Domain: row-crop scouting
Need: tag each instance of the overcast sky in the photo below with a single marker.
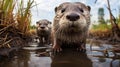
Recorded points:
(45, 8)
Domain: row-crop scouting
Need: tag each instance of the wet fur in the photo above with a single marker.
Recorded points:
(44, 34)
(63, 33)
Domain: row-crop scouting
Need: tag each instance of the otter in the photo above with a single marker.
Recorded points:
(43, 28)
(70, 25)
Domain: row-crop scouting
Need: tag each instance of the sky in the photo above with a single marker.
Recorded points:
(45, 8)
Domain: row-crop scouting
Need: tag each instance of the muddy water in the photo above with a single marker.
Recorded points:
(98, 55)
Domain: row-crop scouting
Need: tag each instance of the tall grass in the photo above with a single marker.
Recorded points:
(22, 15)
(6, 12)
(101, 27)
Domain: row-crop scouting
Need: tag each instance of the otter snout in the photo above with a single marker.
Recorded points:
(73, 17)
(42, 26)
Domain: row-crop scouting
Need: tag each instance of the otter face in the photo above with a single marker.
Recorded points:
(73, 16)
(43, 25)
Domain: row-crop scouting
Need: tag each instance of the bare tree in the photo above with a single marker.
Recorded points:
(115, 29)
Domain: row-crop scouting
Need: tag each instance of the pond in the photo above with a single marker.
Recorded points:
(98, 55)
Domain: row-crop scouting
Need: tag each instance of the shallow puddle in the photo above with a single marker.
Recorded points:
(41, 56)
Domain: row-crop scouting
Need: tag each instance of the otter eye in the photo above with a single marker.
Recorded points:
(63, 10)
(39, 24)
(81, 10)
(46, 24)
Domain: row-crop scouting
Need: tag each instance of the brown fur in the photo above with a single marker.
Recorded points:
(71, 30)
(43, 31)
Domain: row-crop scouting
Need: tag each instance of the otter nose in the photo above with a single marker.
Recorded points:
(73, 17)
(42, 27)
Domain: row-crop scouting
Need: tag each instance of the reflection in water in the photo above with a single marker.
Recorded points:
(40, 56)
(71, 59)
(115, 63)
(18, 61)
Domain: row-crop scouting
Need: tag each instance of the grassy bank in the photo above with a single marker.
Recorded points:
(15, 19)
(101, 31)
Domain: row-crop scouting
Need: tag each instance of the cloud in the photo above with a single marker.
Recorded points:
(45, 8)
(103, 3)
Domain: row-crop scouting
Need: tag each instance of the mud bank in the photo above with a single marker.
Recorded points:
(11, 39)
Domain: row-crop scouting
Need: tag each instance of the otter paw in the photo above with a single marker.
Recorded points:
(57, 48)
(81, 50)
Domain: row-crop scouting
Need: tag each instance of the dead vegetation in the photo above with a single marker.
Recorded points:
(100, 34)
(107, 32)
(14, 23)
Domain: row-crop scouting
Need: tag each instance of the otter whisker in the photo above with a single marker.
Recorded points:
(70, 26)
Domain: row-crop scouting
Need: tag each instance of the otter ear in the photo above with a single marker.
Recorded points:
(56, 9)
(89, 8)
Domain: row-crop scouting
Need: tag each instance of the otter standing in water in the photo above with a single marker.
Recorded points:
(44, 31)
(70, 26)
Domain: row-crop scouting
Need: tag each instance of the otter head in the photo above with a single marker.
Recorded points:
(72, 16)
(43, 25)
